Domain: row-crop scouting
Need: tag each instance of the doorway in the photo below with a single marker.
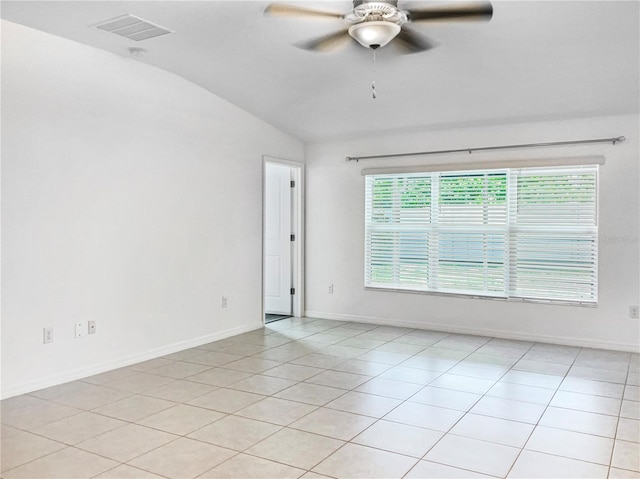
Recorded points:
(282, 239)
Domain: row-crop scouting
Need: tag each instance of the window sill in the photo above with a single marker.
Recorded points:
(556, 302)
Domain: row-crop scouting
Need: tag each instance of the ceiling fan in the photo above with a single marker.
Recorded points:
(373, 24)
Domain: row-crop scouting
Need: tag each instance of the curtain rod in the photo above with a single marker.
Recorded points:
(613, 141)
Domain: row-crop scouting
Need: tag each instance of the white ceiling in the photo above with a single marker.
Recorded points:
(534, 61)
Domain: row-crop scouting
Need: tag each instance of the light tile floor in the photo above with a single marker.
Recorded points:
(316, 398)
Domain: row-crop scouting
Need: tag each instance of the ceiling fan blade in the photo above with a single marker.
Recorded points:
(327, 42)
(475, 11)
(412, 42)
(291, 10)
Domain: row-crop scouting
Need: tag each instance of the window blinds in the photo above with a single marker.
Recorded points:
(554, 244)
(528, 233)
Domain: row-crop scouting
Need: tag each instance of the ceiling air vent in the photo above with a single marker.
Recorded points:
(131, 27)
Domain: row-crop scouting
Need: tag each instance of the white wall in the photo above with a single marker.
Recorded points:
(335, 235)
(130, 197)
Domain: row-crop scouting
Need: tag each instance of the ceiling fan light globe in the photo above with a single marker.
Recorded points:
(374, 34)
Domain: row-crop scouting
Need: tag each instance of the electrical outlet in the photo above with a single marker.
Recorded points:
(633, 312)
(330, 289)
(91, 327)
(80, 329)
(224, 302)
(47, 335)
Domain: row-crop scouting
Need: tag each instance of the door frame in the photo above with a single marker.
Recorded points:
(297, 228)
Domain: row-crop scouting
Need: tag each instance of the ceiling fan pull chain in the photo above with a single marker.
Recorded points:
(373, 83)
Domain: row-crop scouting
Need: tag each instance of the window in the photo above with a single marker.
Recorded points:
(528, 233)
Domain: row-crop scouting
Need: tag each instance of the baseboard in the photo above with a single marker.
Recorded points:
(81, 373)
(497, 333)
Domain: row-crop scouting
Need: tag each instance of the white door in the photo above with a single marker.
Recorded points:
(277, 278)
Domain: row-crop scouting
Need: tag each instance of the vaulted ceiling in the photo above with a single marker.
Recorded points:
(535, 60)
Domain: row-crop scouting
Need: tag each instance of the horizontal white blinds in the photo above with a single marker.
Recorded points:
(398, 215)
(554, 240)
(522, 233)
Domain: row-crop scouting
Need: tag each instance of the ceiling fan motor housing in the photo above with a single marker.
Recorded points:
(393, 3)
(376, 10)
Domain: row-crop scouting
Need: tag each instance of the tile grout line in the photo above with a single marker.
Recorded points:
(541, 416)
(465, 412)
(615, 434)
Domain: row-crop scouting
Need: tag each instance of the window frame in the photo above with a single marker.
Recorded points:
(508, 230)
